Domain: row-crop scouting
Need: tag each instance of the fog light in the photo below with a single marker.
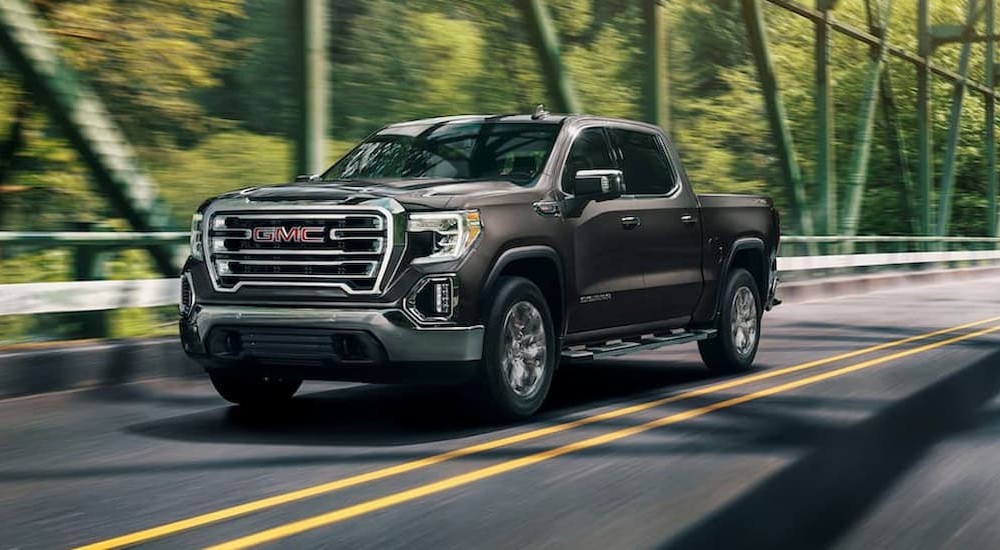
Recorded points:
(442, 298)
(433, 299)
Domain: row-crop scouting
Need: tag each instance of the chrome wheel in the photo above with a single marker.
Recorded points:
(524, 349)
(744, 321)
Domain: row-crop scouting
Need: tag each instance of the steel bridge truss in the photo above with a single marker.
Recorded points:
(832, 220)
(829, 216)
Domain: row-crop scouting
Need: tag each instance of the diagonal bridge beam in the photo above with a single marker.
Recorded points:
(85, 122)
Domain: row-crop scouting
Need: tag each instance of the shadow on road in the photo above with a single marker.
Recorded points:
(369, 415)
(811, 503)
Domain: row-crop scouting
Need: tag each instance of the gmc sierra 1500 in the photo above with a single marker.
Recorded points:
(480, 250)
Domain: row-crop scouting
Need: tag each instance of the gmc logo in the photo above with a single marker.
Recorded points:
(298, 234)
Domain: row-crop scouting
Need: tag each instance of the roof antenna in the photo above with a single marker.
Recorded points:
(539, 113)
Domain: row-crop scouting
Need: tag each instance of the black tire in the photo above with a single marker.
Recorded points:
(254, 391)
(491, 393)
(722, 353)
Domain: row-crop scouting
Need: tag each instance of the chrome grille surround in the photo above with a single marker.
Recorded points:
(358, 242)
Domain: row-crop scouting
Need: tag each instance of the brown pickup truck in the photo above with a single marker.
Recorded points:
(475, 250)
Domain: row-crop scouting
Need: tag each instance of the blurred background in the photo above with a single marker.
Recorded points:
(124, 115)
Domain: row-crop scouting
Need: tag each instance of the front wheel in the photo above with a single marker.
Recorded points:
(520, 352)
(254, 391)
(735, 346)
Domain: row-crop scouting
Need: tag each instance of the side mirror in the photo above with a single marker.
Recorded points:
(306, 177)
(598, 185)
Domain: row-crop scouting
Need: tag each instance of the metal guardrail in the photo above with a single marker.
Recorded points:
(89, 297)
(843, 261)
(886, 239)
(100, 239)
(97, 295)
(79, 296)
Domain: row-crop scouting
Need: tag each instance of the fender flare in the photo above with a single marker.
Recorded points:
(528, 252)
(745, 243)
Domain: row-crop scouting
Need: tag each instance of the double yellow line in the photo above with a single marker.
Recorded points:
(518, 463)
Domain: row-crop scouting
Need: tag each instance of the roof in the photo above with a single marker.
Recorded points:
(551, 118)
(478, 118)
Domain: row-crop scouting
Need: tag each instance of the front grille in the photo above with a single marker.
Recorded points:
(343, 248)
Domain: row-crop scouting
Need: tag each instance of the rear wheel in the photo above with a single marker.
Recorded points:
(519, 353)
(735, 346)
(254, 391)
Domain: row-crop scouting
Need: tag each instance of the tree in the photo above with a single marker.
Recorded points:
(146, 58)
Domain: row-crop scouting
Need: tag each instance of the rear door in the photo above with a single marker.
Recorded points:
(608, 247)
(669, 216)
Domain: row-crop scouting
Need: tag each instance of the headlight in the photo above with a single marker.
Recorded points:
(196, 245)
(454, 233)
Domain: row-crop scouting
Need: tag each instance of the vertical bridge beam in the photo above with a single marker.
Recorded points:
(989, 127)
(657, 100)
(924, 121)
(896, 143)
(951, 148)
(546, 43)
(757, 40)
(309, 22)
(857, 180)
(826, 170)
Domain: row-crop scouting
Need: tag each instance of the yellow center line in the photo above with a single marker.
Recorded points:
(418, 464)
(335, 516)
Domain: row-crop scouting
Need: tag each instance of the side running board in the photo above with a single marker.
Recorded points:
(632, 345)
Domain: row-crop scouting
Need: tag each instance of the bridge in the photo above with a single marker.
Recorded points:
(869, 419)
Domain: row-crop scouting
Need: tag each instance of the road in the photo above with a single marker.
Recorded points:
(858, 409)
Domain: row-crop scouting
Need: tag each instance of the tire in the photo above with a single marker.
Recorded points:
(516, 371)
(735, 346)
(254, 391)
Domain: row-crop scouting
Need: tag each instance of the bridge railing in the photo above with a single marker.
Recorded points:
(838, 256)
(847, 256)
(84, 304)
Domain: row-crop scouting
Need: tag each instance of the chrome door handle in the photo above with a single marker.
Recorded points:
(688, 218)
(631, 222)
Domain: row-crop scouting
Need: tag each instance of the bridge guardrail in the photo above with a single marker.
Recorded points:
(876, 252)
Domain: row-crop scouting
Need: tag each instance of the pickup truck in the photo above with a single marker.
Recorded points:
(483, 251)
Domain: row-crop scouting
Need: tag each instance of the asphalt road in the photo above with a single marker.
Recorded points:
(869, 421)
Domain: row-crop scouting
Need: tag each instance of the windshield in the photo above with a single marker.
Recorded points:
(461, 150)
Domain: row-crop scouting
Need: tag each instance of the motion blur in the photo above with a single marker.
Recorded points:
(870, 124)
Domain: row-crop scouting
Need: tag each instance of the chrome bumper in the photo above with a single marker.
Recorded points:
(402, 340)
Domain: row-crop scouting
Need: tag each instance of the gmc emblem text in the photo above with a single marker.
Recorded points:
(299, 234)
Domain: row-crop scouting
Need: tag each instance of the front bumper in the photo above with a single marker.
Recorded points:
(386, 344)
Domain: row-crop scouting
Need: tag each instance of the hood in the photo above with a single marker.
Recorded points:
(420, 193)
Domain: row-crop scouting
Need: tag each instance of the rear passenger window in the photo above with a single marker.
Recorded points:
(646, 167)
(590, 151)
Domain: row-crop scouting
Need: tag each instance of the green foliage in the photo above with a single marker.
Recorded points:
(223, 162)
(210, 99)
(145, 57)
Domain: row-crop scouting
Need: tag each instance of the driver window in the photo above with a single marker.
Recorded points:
(590, 151)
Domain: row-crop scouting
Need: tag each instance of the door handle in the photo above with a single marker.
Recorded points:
(688, 218)
(631, 222)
